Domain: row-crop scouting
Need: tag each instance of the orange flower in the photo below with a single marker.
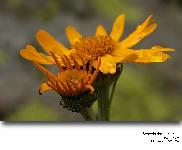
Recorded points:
(113, 51)
(70, 81)
(74, 84)
(107, 46)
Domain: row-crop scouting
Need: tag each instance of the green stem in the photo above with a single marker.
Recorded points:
(120, 68)
(103, 103)
(104, 96)
(88, 114)
(111, 97)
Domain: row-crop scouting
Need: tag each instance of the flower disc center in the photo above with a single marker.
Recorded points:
(95, 46)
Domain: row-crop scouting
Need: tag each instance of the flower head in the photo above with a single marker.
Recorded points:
(112, 50)
(107, 46)
(72, 83)
(70, 80)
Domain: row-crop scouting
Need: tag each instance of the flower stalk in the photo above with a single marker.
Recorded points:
(103, 104)
(88, 114)
(105, 97)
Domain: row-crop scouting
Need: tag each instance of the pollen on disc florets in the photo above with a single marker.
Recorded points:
(95, 47)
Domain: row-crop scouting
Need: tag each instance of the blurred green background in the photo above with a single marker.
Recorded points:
(144, 92)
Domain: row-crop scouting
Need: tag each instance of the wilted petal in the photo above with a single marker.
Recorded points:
(108, 64)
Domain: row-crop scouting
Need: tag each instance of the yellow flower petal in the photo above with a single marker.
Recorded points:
(72, 34)
(147, 27)
(163, 49)
(123, 55)
(44, 88)
(108, 64)
(100, 31)
(30, 53)
(48, 43)
(61, 53)
(155, 54)
(157, 57)
(117, 29)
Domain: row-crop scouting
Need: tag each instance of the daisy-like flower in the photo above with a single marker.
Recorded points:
(107, 46)
(74, 84)
(112, 50)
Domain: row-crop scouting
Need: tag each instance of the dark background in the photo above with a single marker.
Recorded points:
(144, 92)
